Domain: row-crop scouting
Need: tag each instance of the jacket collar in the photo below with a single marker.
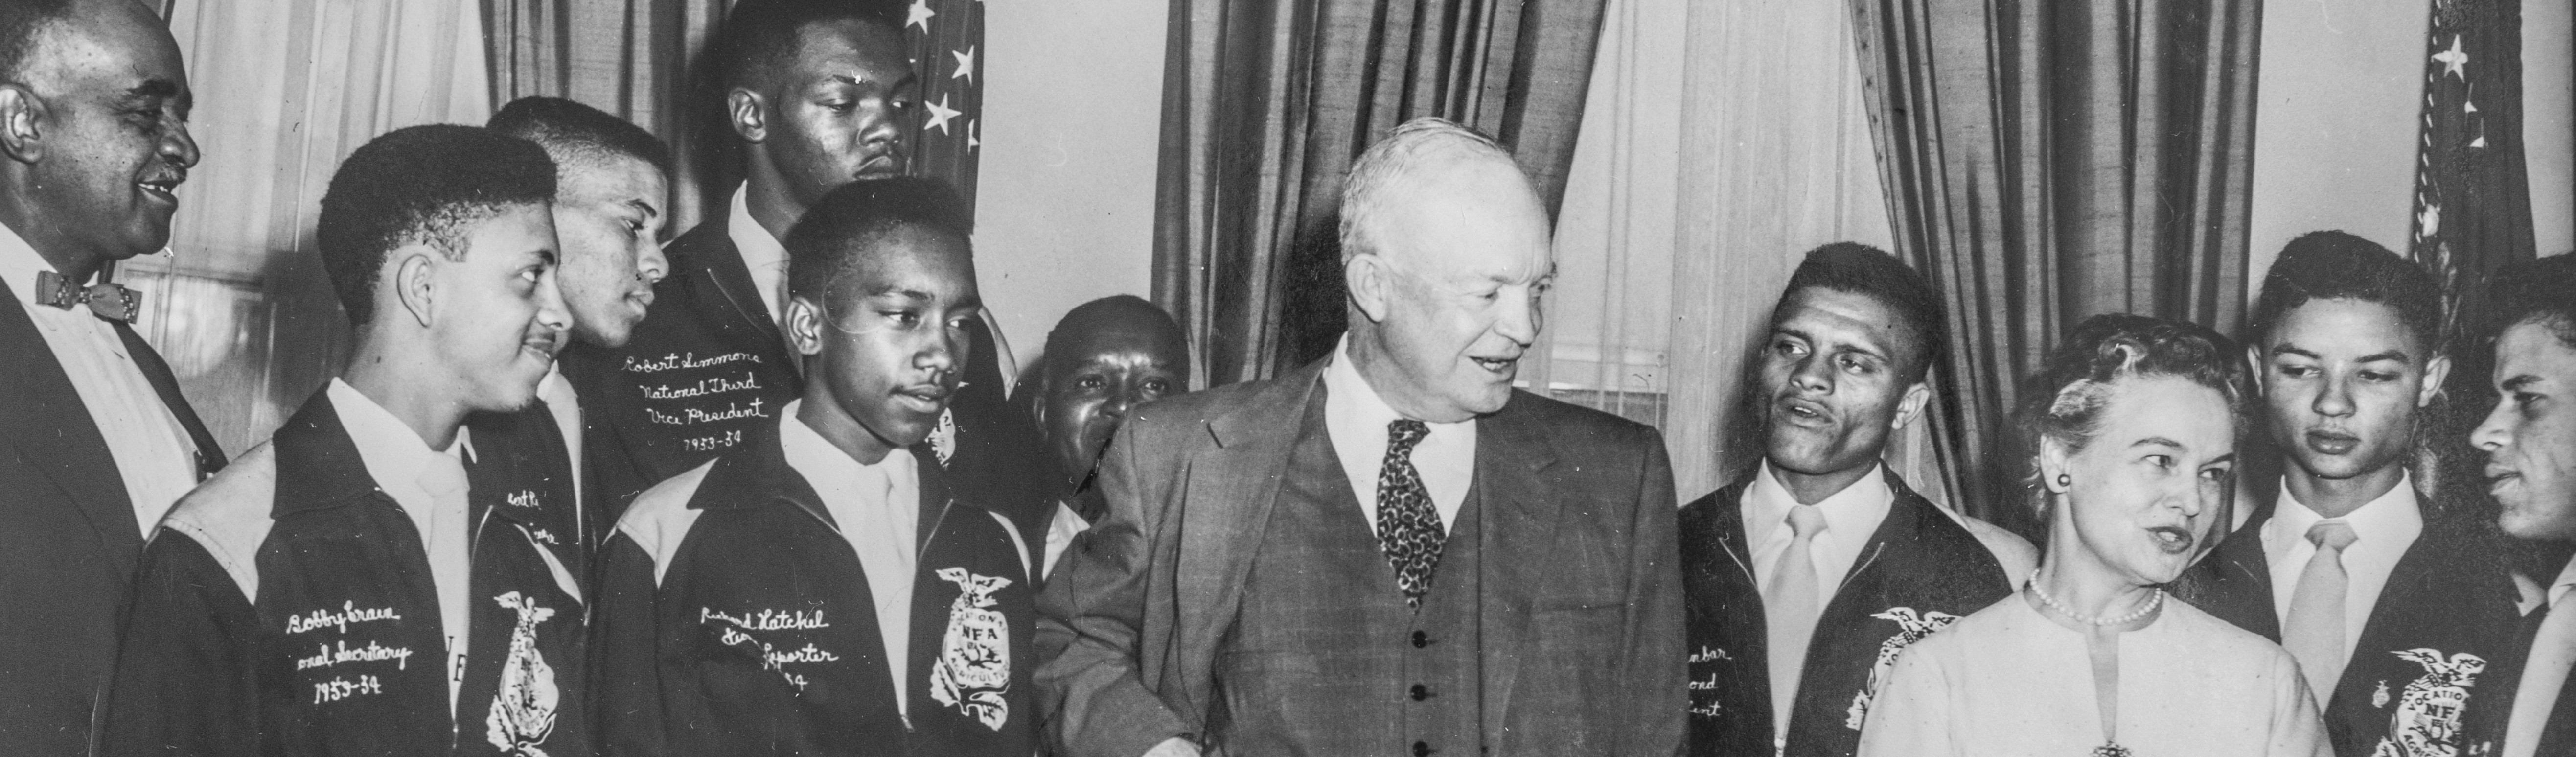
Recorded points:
(327, 469)
(759, 472)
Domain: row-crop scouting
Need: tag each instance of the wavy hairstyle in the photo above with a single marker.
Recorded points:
(2064, 399)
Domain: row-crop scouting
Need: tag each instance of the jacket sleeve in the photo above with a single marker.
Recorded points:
(625, 659)
(185, 681)
(1654, 658)
(1091, 614)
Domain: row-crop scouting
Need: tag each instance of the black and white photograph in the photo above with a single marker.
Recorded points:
(1288, 378)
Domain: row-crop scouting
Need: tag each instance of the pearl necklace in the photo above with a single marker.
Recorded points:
(2153, 603)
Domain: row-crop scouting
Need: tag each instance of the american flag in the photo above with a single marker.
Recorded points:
(2472, 200)
(947, 39)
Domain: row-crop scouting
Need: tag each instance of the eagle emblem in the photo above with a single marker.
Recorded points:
(523, 712)
(2427, 720)
(1911, 627)
(974, 669)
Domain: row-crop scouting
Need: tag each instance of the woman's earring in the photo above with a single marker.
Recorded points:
(2064, 481)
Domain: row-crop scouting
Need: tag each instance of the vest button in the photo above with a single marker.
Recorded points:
(1420, 692)
(1421, 640)
(1421, 749)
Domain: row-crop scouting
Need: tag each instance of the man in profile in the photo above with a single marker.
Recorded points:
(1105, 358)
(611, 192)
(1804, 579)
(95, 440)
(817, 94)
(1390, 551)
(2530, 442)
(2350, 568)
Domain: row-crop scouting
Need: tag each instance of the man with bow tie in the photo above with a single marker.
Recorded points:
(95, 440)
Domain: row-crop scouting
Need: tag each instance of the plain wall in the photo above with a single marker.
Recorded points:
(1064, 203)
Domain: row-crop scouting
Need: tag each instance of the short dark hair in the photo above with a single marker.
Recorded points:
(838, 227)
(420, 185)
(1059, 338)
(2333, 265)
(757, 34)
(571, 129)
(1871, 272)
(2541, 290)
(20, 23)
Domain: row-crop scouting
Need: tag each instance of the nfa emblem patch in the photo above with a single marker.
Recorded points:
(1911, 627)
(523, 711)
(974, 668)
(2427, 721)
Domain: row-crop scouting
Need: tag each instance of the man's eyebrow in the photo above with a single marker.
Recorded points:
(649, 210)
(2157, 441)
(151, 88)
(2289, 349)
(2517, 383)
(2397, 355)
(897, 290)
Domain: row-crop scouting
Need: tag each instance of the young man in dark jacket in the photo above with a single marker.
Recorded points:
(357, 586)
(823, 589)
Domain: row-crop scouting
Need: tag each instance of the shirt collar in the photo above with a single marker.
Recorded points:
(820, 462)
(1852, 513)
(2559, 587)
(1349, 396)
(757, 245)
(2392, 518)
(19, 264)
(394, 454)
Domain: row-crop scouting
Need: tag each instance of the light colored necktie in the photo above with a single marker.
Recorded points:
(1789, 607)
(2553, 653)
(450, 516)
(2315, 629)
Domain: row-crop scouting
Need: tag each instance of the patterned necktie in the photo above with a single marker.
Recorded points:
(1407, 526)
(2314, 632)
(1789, 611)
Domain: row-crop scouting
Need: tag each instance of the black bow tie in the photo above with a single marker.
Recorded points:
(110, 301)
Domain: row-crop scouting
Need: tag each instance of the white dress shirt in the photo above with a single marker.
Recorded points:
(877, 508)
(1356, 419)
(565, 406)
(153, 455)
(762, 254)
(1851, 517)
(2545, 671)
(2382, 530)
(396, 457)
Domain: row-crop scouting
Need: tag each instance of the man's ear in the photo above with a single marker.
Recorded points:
(2435, 371)
(413, 266)
(2254, 369)
(1371, 281)
(804, 326)
(1911, 407)
(747, 112)
(21, 111)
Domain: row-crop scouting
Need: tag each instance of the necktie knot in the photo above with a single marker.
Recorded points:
(442, 476)
(1805, 521)
(1403, 433)
(2331, 534)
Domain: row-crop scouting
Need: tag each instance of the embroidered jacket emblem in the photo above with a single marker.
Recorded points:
(1911, 627)
(523, 712)
(974, 668)
(2427, 721)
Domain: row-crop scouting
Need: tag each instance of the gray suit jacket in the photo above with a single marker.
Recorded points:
(1583, 612)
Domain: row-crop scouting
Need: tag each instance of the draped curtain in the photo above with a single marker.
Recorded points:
(2049, 161)
(284, 90)
(1266, 103)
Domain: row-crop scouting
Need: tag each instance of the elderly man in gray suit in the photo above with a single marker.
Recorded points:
(1389, 551)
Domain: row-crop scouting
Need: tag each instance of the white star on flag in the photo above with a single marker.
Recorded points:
(2454, 61)
(965, 65)
(940, 113)
(920, 15)
(2430, 219)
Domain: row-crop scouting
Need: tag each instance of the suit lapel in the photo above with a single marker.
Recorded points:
(54, 432)
(1519, 534)
(719, 264)
(1228, 493)
(210, 457)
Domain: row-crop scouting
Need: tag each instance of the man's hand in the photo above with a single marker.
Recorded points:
(1174, 747)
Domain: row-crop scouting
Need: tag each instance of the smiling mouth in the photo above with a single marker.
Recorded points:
(1502, 366)
(167, 189)
(2171, 539)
